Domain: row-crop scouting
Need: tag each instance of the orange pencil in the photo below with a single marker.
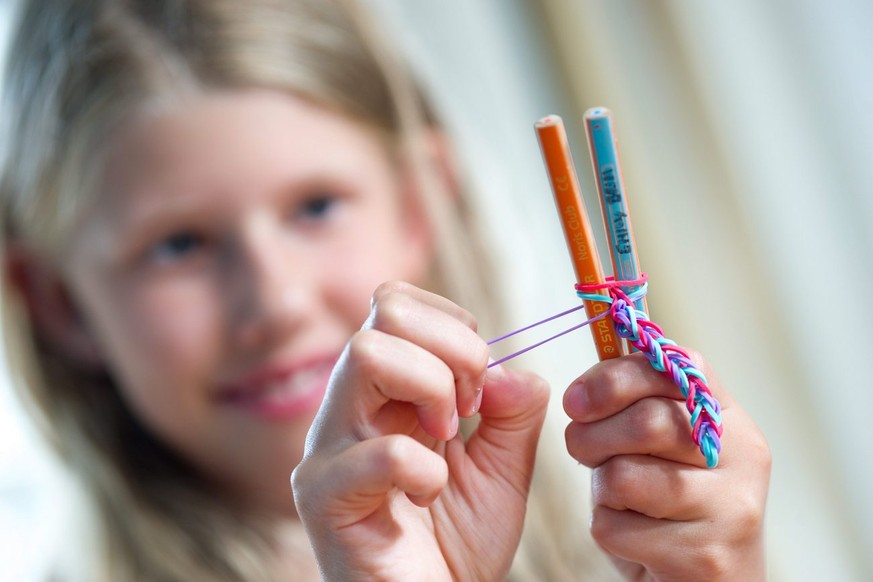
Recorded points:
(577, 228)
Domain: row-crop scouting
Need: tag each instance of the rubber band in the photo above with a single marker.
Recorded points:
(538, 344)
(664, 355)
(533, 325)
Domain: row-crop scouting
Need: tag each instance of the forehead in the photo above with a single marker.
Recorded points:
(238, 140)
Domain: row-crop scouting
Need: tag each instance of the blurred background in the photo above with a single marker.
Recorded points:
(746, 131)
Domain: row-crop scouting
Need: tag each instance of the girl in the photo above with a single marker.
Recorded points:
(199, 200)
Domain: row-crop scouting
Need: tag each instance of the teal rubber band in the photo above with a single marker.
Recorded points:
(716, 417)
(685, 385)
(634, 327)
(658, 361)
(695, 372)
(695, 413)
(709, 451)
(666, 342)
(594, 297)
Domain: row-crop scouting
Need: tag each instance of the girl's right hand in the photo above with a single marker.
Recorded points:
(387, 488)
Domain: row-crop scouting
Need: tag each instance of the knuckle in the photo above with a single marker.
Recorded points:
(748, 515)
(604, 381)
(615, 483)
(298, 481)
(602, 529)
(391, 311)
(467, 318)
(761, 452)
(389, 287)
(303, 492)
(649, 419)
(713, 562)
(364, 351)
(394, 453)
(575, 438)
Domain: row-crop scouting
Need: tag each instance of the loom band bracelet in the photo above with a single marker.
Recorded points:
(623, 318)
(663, 353)
(712, 408)
(685, 368)
(697, 400)
(703, 399)
(627, 316)
(656, 357)
(680, 377)
(682, 366)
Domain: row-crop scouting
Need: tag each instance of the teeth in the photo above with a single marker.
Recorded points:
(291, 387)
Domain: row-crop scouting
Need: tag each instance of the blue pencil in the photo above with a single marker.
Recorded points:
(613, 198)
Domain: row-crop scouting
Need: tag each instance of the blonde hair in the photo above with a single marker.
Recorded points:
(76, 72)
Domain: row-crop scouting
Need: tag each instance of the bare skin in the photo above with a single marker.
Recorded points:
(658, 512)
(388, 490)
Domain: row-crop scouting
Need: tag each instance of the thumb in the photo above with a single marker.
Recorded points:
(512, 412)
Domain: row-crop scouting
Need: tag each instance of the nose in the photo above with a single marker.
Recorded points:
(271, 287)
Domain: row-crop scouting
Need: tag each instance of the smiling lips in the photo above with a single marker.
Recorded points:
(282, 392)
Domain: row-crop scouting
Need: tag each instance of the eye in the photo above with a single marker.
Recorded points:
(316, 207)
(177, 246)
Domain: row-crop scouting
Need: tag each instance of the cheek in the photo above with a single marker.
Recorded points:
(374, 252)
(161, 345)
(178, 332)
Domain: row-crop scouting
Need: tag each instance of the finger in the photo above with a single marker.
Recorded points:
(613, 385)
(427, 298)
(353, 484)
(384, 384)
(641, 539)
(512, 412)
(654, 487)
(438, 330)
(651, 426)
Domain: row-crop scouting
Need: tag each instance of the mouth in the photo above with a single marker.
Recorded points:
(281, 392)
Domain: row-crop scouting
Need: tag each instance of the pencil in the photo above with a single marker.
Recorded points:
(577, 228)
(613, 199)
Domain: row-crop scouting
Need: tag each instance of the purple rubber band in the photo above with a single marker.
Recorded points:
(548, 319)
(538, 344)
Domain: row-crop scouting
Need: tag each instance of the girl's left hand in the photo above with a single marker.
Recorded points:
(658, 512)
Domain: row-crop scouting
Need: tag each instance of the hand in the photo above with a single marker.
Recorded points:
(658, 512)
(387, 488)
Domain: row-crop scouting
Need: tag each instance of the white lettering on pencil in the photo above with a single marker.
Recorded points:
(575, 237)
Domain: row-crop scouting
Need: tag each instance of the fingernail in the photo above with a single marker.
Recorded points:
(495, 372)
(577, 399)
(478, 401)
(453, 426)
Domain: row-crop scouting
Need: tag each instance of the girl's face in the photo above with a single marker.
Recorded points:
(233, 252)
